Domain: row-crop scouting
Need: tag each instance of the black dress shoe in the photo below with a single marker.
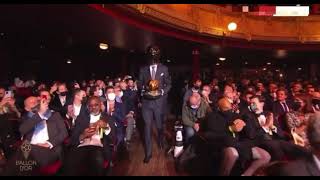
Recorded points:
(147, 159)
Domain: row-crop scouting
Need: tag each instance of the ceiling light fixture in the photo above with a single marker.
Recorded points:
(232, 26)
(222, 58)
(103, 46)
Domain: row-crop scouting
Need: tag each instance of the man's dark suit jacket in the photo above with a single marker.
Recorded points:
(162, 75)
(280, 114)
(83, 122)
(255, 131)
(302, 167)
(56, 105)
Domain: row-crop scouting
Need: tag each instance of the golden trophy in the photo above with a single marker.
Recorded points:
(153, 90)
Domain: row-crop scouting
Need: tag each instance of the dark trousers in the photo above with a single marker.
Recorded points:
(150, 113)
(87, 160)
(280, 148)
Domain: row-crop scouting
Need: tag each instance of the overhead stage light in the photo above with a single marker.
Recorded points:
(222, 58)
(103, 46)
(232, 26)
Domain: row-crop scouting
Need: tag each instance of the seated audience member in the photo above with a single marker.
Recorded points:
(129, 100)
(311, 90)
(233, 97)
(116, 112)
(77, 107)
(2, 93)
(91, 141)
(193, 112)
(245, 101)
(281, 107)
(225, 131)
(308, 165)
(316, 101)
(195, 88)
(296, 89)
(44, 130)
(270, 96)
(206, 91)
(297, 119)
(266, 133)
(61, 99)
(260, 89)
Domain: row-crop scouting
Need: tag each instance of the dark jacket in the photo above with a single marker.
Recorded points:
(83, 122)
(189, 118)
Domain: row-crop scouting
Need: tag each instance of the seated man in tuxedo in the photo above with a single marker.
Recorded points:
(281, 107)
(226, 131)
(266, 133)
(91, 139)
(61, 100)
(44, 130)
(270, 96)
(308, 165)
(77, 107)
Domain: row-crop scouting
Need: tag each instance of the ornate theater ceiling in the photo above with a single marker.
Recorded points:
(213, 20)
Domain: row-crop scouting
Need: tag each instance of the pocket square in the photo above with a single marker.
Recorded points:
(162, 74)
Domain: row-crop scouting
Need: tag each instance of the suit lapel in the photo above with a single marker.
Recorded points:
(158, 72)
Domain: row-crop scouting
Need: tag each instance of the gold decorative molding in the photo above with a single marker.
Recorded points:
(213, 20)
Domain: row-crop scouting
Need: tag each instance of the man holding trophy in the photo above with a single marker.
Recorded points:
(155, 84)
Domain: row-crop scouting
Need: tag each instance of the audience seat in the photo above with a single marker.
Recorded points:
(50, 170)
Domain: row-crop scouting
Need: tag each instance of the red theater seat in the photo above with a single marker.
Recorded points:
(51, 169)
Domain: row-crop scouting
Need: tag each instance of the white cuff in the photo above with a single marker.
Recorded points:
(107, 131)
(162, 92)
(266, 129)
(50, 145)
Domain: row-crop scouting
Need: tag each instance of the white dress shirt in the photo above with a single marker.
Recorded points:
(95, 140)
(63, 100)
(155, 69)
(41, 136)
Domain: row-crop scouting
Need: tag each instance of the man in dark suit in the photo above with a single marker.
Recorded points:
(61, 100)
(270, 96)
(265, 132)
(281, 107)
(77, 108)
(153, 108)
(44, 130)
(309, 165)
(91, 141)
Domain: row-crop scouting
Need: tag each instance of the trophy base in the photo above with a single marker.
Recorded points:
(152, 95)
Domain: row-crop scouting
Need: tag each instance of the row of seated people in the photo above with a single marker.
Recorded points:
(80, 133)
(247, 130)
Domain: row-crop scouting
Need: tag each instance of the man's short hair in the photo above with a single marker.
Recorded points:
(313, 131)
(260, 98)
(76, 91)
(283, 89)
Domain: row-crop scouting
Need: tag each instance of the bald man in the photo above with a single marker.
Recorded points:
(44, 130)
(193, 112)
